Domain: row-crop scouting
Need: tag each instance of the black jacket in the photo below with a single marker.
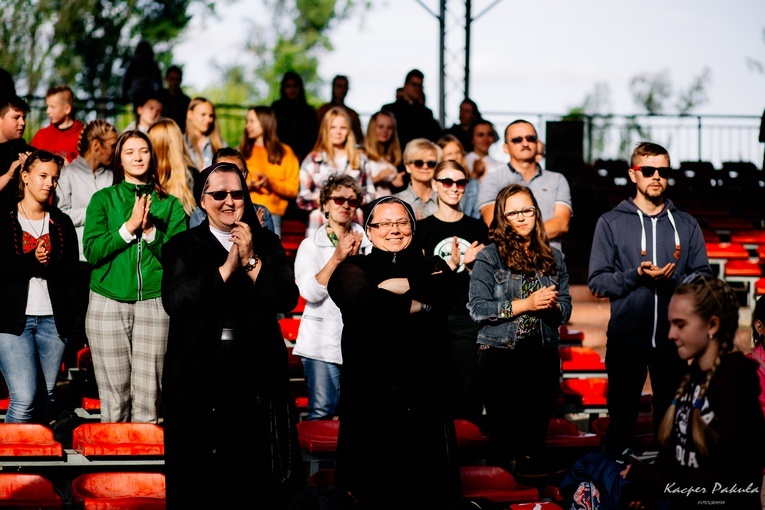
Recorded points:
(227, 402)
(394, 414)
(17, 267)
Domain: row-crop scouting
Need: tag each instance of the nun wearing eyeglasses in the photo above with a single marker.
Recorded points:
(394, 412)
(224, 283)
(519, 295)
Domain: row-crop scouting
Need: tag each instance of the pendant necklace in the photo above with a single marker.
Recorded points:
(31, 224)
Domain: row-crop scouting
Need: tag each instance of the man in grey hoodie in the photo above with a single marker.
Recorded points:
(641, 250)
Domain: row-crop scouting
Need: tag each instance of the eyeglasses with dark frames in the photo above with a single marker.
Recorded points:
(221, 195)
(385, 226)
(649, 171)
(526, 212)
(529, 138)
(448, 183)
(419, 163)
(352, 202)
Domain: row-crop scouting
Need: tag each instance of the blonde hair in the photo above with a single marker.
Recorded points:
(324, 144)
(173, 161)
(97, 129)
(376, 150)
(194, 135)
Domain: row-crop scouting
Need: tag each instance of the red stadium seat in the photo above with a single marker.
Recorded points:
(581, 359)
(290, 327)
(28, 491)
(727, 251)
(570, 336)
(318, 436)
(535, 505)
(28, 440)
(495, 484)
(121, 438)
(318, 440)
(749, 237)
(562, 433)
(120, 491)
(743, 268)
(322, 478)
(300, 307)
(759, 287)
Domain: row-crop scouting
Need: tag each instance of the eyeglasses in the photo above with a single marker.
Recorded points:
(45, 157)
(519, 139)
(418, 163)
(448, 183)
(236, 194)
(352, 202)
(387, 225)
(526, 212)
(649, 171)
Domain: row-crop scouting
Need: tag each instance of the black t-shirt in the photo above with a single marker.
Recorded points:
(435, 237)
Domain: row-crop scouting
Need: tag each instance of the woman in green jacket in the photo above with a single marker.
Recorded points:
(126, 226)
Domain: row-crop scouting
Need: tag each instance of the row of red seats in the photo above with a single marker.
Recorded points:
(90, 491)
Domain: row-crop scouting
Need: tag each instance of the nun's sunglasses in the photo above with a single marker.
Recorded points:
(221, 195)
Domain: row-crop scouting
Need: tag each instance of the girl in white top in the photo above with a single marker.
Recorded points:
(483, 136)
(335, 152)
(384, 152)
(321, 325)
(202, 133)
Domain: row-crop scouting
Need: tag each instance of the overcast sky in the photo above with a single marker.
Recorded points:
(532, 56)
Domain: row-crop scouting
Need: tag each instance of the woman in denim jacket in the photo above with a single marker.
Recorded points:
(519, 295)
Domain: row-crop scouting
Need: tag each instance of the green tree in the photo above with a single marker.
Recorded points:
(84, 42)
(298, 39)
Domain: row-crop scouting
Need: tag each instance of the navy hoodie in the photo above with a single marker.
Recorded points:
(624, 237)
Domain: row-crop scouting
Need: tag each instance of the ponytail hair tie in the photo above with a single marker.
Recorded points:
(698, 404)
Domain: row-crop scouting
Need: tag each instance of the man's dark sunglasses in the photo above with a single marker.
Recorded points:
(448, 183)
(418, 163)
(529, 138)
(352, 202)
(648, 171)
(236, 194)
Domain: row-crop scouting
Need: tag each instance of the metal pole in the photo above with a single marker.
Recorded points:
(442, 64)
(468, 13)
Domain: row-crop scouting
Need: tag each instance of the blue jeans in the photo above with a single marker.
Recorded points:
(30, 364)
(323, 380)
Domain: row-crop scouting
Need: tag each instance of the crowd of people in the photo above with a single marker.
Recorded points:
(434, 276)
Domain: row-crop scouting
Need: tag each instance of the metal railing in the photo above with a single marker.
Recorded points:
(713, 138)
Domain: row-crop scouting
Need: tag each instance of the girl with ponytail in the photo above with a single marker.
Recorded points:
(713, 434)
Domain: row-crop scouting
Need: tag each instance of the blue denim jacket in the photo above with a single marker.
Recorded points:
(492, 283)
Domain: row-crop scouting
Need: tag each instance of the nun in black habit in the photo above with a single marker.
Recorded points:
(396, 446)
(230, 435)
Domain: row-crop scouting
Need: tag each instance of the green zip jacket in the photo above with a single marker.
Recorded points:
(127, 271)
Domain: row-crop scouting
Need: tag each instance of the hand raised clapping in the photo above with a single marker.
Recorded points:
(542, 299)
(348, 244)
